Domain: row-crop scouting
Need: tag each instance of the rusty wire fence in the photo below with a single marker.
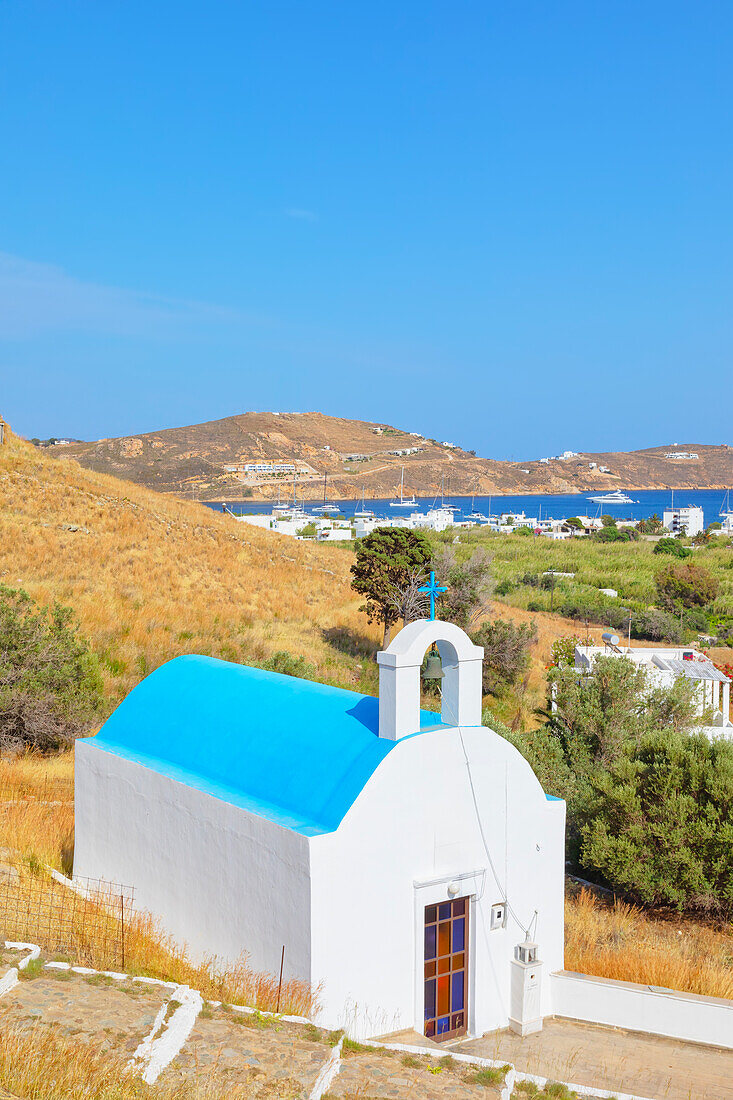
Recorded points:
(86, 923)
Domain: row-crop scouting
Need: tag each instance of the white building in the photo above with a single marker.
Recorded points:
(684, 521)
(402, 857)
(664, 666)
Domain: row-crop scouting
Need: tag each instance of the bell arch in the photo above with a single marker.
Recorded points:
(399, 678)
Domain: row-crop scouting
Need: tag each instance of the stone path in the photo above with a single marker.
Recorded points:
(113, 1016)
(389, 1075)
(279, 1059)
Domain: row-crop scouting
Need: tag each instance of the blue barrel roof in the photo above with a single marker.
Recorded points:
(291, 750)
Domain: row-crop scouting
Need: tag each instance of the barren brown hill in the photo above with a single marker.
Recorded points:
(208, 461)
(151, 577)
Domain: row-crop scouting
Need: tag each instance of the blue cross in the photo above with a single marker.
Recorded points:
(432, 589)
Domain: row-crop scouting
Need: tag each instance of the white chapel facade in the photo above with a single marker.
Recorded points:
(402, 858)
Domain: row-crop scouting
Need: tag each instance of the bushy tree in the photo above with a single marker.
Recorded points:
(650, 800)
(599, 715)
(673, 547)
(50, 687)
(651, 526)
(686, 585)
(615, 534)
(470, 584)
(384, 563)
(506, 652)
(659, 823)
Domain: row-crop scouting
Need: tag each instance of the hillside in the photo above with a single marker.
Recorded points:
(151, 577)
(208, 460)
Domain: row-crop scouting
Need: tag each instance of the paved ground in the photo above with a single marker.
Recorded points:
(112, 1016)
(392, 1076)
(281, 1061)
(607, 1058)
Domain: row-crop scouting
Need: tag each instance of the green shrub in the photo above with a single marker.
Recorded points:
(685, 584)
(288, 665)
(506, 651)
(673, 547)
(660, 827)
(649, 798)
(50, 686)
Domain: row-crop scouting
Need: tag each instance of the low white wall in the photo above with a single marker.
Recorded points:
(643, 1008)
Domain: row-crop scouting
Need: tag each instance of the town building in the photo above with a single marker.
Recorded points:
(664, 665)
(407, 862)
(684, 521)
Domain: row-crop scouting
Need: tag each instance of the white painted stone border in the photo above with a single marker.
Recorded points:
(156, 1052)
(11, 979)
(329, 1070)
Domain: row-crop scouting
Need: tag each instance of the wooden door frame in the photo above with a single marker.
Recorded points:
(433, 892)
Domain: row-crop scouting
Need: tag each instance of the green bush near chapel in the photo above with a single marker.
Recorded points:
(50, 685)
(649, 798)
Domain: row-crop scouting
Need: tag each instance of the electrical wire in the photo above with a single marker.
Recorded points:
(526, 928)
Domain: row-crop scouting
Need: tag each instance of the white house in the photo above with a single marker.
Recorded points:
(684, 521)
(409, 861)
(664, 666)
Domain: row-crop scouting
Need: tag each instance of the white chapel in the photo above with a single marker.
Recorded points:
(409, 862)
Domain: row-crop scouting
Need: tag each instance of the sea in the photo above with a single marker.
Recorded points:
(646, 502)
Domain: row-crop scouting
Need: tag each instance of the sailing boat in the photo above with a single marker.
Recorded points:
(280, 509)
(325, 509)
(477, 517)
(402, 503)
(363, 512)
(726, 514)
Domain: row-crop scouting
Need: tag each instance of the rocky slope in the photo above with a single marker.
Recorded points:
(208, 461)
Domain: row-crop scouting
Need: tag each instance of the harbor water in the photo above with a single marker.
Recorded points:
(647, 502)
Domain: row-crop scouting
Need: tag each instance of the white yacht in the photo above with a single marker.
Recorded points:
(618, 496)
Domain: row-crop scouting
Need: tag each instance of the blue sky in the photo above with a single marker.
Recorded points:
(503, 224)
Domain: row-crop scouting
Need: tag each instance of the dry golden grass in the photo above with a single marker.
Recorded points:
(50, 778)
(39, 1063)
(622, 942)
(151, 577)
(36, 808)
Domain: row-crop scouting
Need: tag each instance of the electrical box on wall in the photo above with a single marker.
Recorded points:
(498, 915)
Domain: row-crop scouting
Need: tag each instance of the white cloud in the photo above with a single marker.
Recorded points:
(39, 297)
(301, 215)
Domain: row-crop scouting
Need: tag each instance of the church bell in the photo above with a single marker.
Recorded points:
(433, 667)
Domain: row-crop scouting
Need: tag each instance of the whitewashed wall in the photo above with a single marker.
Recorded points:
(413, 824)
(222, 880)
(643, 1008)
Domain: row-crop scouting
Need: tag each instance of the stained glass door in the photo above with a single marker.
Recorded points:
(446, 969)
